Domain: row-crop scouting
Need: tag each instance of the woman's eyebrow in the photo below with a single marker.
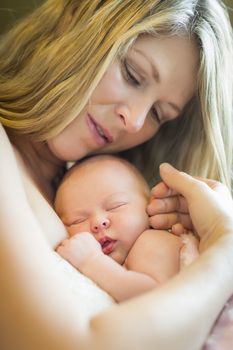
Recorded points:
(155, 72)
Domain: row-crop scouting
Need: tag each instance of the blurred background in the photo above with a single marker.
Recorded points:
(11, 10)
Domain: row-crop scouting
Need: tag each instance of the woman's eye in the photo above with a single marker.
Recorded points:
(130, 77)
(155, 115)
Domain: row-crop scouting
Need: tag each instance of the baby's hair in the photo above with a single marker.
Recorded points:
(101, 157)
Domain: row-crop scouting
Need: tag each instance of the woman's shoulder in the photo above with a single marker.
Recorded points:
(52, 226)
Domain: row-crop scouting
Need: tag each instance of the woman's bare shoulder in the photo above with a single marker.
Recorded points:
(51, 225)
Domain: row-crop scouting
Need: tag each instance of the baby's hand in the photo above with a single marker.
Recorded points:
(80, 249)
(189, 250)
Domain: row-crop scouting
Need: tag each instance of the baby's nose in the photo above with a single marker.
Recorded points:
(99, 225)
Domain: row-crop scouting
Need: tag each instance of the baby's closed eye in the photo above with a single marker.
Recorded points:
(76, 221)
(115, 206)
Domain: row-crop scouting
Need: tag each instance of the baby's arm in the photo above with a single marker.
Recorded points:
(84, 253)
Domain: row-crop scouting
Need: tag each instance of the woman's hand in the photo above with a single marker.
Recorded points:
(208, 203)
(167, 208)
(80, 249)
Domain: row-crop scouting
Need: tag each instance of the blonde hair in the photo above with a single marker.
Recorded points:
(51, 62)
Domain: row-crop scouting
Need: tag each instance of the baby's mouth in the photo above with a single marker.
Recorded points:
(107, 244)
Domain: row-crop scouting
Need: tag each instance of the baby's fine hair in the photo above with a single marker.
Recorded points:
(106, 158)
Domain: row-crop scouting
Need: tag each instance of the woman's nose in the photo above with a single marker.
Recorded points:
(132, 118)
(99, 224)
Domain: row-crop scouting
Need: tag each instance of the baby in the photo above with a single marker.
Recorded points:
(102, 202)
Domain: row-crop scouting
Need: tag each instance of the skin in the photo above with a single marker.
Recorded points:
(134, 97)
(168, 209)
(41, 285)
(102, 202)
(58, 325)
(129, 102)
(114, 208)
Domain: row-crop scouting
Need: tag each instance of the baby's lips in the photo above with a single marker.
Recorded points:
(107, 244)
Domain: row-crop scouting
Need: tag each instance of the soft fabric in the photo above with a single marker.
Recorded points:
(221, 336)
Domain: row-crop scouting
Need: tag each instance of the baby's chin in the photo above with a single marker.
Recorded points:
(119, 258)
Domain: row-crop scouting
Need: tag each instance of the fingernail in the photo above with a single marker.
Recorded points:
(166, 167)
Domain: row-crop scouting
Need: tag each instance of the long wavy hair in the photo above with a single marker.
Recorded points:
(51, 62)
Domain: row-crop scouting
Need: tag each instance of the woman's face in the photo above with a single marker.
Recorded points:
(137, 94)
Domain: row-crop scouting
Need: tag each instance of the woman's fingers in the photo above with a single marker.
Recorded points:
(210, 204)
(178, 229)
(166, 221)
(161, 190)
(168, 208)
(183, 183)
(167, 205)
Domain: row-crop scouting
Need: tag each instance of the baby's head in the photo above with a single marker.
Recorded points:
(106, 196)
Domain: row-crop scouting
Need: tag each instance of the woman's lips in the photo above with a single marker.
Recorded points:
(107, 244)
(101, 135)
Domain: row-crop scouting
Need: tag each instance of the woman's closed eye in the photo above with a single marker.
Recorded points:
(132, 78)
(130, 75)
(155, 115)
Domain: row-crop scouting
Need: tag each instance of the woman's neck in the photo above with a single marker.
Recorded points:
(43, 167)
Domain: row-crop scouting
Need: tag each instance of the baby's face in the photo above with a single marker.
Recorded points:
(104, 197)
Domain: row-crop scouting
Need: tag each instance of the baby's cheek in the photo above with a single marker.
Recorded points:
(143, 220)
(73, 229)
(137, 219)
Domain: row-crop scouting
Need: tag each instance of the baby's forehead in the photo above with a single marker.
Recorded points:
(109, 162)
(116, 196)
(105, 168)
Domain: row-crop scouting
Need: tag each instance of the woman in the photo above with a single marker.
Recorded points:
(52, 62)
(103, 76)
